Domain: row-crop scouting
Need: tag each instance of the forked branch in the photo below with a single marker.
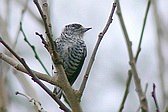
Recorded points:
(137, 81)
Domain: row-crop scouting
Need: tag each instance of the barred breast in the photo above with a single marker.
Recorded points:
(73, 54)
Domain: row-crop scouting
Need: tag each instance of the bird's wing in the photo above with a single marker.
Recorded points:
(76, 56)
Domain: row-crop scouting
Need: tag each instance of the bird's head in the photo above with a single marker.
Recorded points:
(75, 30)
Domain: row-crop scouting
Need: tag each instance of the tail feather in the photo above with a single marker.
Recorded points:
(58, 92)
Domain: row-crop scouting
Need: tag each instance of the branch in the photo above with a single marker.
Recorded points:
(21, 68)
(47, 24)
(21, 19)
(136, 58)
(126, 91)
(33, 48)
(31, 12)
(100, 37)
(35, 103)
(43, 40)
(154, 98)
(137, 81)
(145, 90)
(61, 77)
(35, 78)
(143, 27)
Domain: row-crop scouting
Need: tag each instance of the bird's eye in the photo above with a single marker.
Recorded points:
(66, 26)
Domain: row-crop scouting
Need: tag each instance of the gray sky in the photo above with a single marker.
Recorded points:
(106, 83)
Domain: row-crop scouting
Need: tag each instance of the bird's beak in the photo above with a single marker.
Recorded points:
(86, 29)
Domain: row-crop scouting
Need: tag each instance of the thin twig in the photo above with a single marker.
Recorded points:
(136, 58)
(100, 37)
(146, 88)
(126, 91)
(143, 27)
(154, 97)
(137, 81)
(31, 12)
(35, 103)
(33, 48)
(35, 78)
(21, 19)
(43, 40)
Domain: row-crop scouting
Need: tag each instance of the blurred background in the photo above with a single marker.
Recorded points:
(107, 81)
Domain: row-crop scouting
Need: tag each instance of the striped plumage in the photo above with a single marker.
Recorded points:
(72, 50)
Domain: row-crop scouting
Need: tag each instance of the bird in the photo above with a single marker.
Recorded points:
(72, 50)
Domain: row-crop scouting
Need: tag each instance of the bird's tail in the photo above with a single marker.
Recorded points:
(58, 91)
